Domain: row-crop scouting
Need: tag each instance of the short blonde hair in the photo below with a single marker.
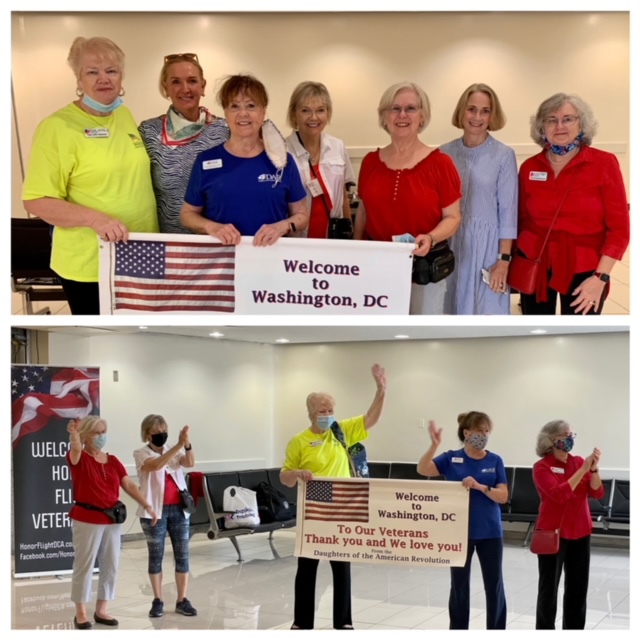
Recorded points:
(386, 101)
(497, 119)
(148, 423)
(88, 424)
(314, 399)
(101, 47)
(308, 91)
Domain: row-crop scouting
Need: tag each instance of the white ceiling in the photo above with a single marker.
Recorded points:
(297, 334)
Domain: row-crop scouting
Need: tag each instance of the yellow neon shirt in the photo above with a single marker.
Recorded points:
(96, 162)
(321, 453)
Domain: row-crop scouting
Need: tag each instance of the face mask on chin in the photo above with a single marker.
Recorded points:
(98, 106)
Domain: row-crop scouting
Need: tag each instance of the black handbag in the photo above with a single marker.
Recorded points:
(435, 266)
(186, 501)
(340, 229)
(117, 513)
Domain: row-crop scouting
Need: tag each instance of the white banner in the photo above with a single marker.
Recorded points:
(175, 273)
(383, 521)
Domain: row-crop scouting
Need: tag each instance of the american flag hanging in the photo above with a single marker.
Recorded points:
(40, 393)
(332, 500)
(174, 276)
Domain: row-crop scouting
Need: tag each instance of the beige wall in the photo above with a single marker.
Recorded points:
(525, 56)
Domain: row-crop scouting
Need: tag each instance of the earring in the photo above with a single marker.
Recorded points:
(79, 92)
(121, 92)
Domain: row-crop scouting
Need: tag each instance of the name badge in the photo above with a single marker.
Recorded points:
(211, 164)
(314, 187)
(541, 176)
(96, 133)
(457, 459)
(557, 470)
(317, 443)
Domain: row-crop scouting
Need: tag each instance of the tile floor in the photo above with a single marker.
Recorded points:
(258, 594)
(616, 304)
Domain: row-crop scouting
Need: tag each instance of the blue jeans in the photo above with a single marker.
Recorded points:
(490, 556)
(177, 525)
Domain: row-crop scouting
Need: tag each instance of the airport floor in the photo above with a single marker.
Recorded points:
(616, 304)
(258, 593)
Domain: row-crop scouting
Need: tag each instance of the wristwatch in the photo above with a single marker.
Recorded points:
(188, 448)
(601, 276)
(504, 256)
(292, 227)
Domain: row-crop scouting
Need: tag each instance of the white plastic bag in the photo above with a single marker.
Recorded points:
(244, 504)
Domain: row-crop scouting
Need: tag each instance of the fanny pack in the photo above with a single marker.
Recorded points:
(435, 266)
(117, 513)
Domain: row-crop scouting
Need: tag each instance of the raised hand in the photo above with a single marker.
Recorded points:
(435, 433)
(379, 376)
(183, 437)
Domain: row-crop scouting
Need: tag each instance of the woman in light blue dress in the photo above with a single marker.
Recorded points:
(489, 177)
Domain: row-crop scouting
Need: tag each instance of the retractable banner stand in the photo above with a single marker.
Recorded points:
(43, 400)
(406, 522)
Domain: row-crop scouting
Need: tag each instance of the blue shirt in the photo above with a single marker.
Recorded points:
(240, 191)
(484, 514)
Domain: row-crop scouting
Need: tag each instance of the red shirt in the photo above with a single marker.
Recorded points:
(319, 214)
(95, 484)
(593, 219)
(550, 477)
(406, 200)
(171, 491)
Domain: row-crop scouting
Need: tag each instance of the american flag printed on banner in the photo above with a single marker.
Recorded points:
(40, 393)
(174, 276)
(332, 500)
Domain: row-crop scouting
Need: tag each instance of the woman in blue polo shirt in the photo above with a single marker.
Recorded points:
(482, 473)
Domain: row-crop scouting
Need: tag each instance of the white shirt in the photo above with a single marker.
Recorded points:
(335, 169)
(152, 482)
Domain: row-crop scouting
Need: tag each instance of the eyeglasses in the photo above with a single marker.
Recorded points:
(173, 57)
(566, 121)
(410, 110)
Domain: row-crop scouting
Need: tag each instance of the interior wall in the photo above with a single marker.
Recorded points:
(245, 401)
(524, 56)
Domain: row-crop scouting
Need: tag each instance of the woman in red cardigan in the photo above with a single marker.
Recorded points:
(585, 186)
(564, 483)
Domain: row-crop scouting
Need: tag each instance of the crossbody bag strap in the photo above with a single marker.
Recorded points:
(337, 432)
(315, 177)
(564, 197)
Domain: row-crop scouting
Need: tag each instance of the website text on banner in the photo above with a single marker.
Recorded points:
(383, 521)
(174, 273)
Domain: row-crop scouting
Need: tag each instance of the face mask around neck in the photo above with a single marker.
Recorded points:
(98, 106)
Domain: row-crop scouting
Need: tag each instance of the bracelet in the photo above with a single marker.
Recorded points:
(596, 470)
(433, 240)
(188, 448)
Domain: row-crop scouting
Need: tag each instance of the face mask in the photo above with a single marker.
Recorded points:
(158, 439)
(98, 442)
(566, 444)
(102, 108)
(477, 440)
(324, 422)
(561, 150)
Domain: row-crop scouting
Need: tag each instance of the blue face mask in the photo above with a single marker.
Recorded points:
(566, 444)
(98, 442)
(324, 422)
(98, 106)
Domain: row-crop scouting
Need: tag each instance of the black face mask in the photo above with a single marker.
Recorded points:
(158, 439)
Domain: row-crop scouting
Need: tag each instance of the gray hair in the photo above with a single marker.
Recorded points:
(588, 123)
(548, 435)
(314, 399)
(149, 422)
(389, 95)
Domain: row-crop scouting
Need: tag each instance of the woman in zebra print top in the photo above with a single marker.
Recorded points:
(174, 139)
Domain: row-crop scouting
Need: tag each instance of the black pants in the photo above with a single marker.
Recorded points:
(490, 556)
(573, 556)
(83, 297)
(532, 308)
(305, 593)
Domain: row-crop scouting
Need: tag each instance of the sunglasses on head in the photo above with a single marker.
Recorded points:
(172, 57)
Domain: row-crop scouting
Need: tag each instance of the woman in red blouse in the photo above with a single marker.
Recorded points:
(585, 186)
(564, 483)
(408, 187)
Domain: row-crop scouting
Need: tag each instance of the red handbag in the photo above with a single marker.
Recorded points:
(545, 542)
(523, 274)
